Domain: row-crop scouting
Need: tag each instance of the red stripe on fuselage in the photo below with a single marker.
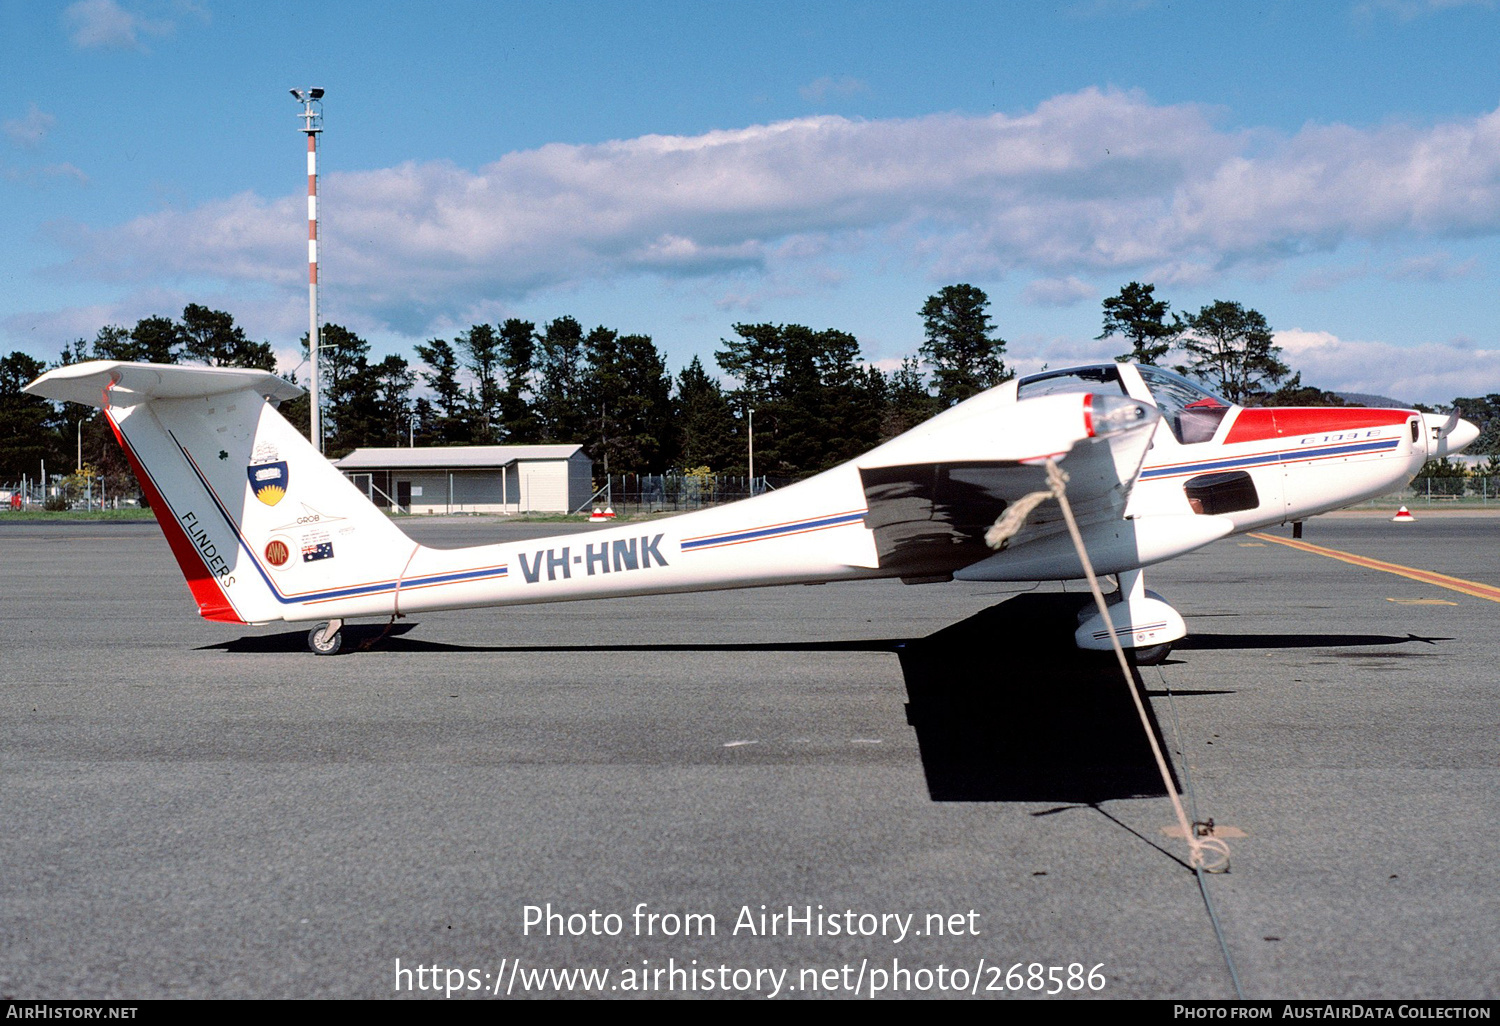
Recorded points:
(213, 604)
(1260, 423)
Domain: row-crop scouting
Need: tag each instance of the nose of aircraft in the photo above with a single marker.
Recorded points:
(1462, 435)
(1442, 442)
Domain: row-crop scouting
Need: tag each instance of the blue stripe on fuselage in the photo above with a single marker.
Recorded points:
(761, 533)
(1263, 459)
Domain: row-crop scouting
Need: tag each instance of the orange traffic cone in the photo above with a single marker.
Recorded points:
(1403, 516)
(609, 512)
(597, 516)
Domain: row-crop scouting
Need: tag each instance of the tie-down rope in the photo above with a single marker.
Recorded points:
(395, 603)
(1207, 854)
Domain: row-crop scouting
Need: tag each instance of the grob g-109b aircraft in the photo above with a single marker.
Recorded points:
(265, 529)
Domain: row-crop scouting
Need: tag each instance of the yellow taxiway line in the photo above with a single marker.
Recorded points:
(1458, 584)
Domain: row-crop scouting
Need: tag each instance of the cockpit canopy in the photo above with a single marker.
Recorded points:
(1192, 412)
(1105, 378)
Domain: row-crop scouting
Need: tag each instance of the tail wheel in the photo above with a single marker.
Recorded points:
(326, 638)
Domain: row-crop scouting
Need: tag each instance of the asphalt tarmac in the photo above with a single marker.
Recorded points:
(199, 810)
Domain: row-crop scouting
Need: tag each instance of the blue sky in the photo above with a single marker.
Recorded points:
(673, 168)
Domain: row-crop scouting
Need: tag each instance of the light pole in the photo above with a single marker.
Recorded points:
(312, 124)
(752, 452)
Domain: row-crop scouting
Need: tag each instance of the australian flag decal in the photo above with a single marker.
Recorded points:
(314, 552)
(269, 481)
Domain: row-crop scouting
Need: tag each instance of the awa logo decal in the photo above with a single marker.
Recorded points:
(277, 553)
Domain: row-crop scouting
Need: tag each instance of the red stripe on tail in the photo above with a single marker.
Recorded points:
(213, 604)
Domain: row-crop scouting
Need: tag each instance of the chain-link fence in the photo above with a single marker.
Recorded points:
(1450, 489)
(656, 493)
(65, 493)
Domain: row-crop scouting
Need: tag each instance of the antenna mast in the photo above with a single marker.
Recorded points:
(312, 124)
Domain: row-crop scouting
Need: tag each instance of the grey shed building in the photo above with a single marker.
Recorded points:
(473, 478)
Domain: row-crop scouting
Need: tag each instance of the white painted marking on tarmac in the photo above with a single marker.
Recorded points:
(736, 744)
(1217, 831)
(865, 740)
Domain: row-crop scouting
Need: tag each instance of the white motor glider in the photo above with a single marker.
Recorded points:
(265, 529)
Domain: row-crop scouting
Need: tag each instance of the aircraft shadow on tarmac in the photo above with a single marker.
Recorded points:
(360, 636)
(1005, 708)
(1210, 642)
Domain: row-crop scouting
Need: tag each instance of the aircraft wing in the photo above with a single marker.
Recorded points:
(929, 516)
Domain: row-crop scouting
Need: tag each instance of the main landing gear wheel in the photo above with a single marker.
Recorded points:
(1153, 655)
(1144, 623)
(326, 638)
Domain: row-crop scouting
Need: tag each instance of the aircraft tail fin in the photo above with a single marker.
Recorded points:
(263, 527)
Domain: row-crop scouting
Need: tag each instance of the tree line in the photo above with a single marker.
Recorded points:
(813, 398)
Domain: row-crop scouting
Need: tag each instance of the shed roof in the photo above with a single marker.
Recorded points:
(453, 456)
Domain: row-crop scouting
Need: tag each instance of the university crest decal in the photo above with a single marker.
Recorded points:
(269, 481)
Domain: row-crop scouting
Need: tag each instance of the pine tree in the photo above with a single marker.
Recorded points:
(815, 404)
(908, 401)
(1232, 349)
(518, 360)
(349, 416)
(627, 394)
(560, 372)
(480, 347)
(705, 423)
(212, 337)
(391, 384)
(28, 423)
(449, 414)
(961, 346)
(1138, 316)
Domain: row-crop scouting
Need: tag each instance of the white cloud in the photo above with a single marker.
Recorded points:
(1087, 183)
(1406, 10)
(44, 332)
(65, 170)
(1433, 267)
(289, 359)
(192, 7)
(841, 86)
(44, 174)
(29, 131)
(1325, 278)
(104, 24)
(58, 327)
(1433, 372)
(1057, 292)
(1428, 267)
(1031, 354)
